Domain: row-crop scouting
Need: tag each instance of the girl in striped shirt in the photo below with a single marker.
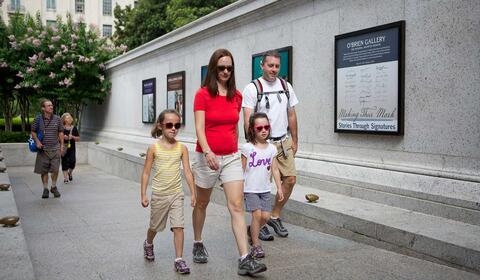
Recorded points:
(167, 196)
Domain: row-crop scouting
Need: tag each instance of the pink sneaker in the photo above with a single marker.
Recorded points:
(181, 267)
(148, 251)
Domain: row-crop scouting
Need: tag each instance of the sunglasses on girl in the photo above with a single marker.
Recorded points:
(260, 128)
(171, 125)
(222, 68)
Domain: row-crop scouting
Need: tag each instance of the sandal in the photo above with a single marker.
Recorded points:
(65, 181)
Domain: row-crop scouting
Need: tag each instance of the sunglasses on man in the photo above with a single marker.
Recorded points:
(172, 125)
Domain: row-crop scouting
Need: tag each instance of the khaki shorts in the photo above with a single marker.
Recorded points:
(47, 161)
(230, 170)
(166, 206)
(285, 165)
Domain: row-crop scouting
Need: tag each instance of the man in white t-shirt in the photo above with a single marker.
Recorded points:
(277, 100)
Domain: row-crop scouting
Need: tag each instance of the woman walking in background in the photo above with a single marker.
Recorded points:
(70, 136)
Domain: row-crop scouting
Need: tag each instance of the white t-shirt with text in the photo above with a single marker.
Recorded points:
(259, 167)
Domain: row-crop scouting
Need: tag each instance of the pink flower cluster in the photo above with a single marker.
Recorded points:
(33, 59)
(66, 82)
(36, 42)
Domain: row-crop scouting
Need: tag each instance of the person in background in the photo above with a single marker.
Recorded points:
(70, 136)
(50, 148)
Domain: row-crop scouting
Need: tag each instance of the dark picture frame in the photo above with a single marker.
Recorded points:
(148, 100)
(370, 80)
(203, 73)
(285, 64)
(176, 93)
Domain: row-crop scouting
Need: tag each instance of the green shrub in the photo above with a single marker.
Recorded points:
(15, 121)
(14, 137)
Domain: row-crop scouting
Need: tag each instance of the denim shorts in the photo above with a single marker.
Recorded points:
(256, 201)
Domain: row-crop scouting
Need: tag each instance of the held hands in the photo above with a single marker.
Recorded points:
(145, 201)
(212, 160)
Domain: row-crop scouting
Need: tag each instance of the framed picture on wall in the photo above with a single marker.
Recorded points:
(176, 93)
(285, 64)
(148, 100)
(369, 80)
(203, 73)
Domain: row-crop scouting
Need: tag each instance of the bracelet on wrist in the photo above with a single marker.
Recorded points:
(206, 153)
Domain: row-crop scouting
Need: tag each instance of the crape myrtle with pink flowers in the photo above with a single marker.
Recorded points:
(64, 63)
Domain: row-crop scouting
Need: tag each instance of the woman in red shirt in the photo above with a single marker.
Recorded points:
(216, 107)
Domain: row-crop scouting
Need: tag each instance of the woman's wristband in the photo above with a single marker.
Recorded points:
(206, 153)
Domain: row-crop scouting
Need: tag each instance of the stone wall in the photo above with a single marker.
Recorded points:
(442, 86)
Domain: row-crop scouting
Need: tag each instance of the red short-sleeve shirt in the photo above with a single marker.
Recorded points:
(221, 120)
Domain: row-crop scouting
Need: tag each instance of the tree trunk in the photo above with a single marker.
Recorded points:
(23, 103)
(78, 111)
(8, 113)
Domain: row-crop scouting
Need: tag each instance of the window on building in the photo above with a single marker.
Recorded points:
(80, 6)
(51, 23)
(107, 7)
(107, 30)
(14, 5)
(51, 5)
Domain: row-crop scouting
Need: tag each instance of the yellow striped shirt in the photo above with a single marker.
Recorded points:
(166, 163)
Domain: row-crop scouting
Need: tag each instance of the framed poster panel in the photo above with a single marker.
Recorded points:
(285, 64)
(176, 93)
(203, 73)
(148, 100)
(369, 80)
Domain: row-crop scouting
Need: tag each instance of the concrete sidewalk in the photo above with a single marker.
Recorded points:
(96, 229)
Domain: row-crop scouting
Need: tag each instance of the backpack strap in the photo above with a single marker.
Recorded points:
(259, 87)
(285, 88)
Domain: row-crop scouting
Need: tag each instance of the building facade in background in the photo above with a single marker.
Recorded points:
(96, 12)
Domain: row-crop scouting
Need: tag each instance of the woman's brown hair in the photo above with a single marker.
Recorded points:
(156, 130)
(251, 126)
(210, 81)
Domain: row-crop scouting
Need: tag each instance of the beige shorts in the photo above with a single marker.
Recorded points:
(163, 206)
(47, 161)
(285, 165)
(230, 170)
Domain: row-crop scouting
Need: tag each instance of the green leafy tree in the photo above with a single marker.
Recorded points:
(154, 18)
(65, 64)
(181, 12)
(142, 24)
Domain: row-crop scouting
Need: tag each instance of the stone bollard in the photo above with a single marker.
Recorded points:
(3, 167)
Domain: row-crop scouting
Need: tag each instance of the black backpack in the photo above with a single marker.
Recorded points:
(261, 93)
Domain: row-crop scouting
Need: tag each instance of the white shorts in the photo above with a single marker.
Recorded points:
(230, 170)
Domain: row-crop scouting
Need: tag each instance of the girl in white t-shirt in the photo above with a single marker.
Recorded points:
(259, 163)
